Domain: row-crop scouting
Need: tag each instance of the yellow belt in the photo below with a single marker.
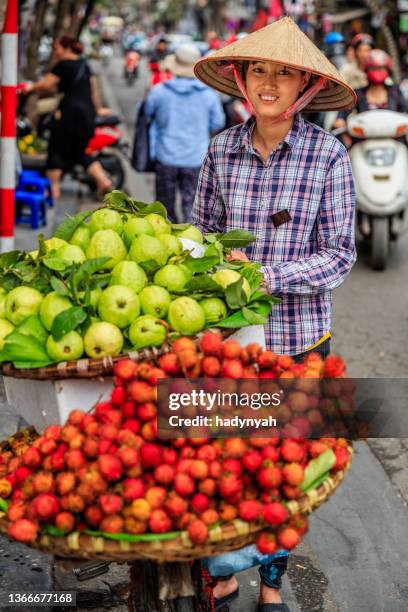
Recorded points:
(322, 339)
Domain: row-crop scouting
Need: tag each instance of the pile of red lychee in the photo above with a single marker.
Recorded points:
(107, 471)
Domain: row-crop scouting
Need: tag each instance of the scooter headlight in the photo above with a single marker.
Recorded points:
(380, 157)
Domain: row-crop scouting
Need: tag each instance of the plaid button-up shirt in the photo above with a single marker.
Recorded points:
(304, 259)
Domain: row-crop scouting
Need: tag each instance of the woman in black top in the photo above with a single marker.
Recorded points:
(73, 123)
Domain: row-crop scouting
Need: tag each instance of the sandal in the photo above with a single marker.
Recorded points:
(227, 599)
(274, 607)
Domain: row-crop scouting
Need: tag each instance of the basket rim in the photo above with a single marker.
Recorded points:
(228, 536)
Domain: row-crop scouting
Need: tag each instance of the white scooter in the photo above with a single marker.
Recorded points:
(380, 170)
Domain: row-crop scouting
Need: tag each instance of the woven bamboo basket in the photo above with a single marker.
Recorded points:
(90, 368)
(224, 538)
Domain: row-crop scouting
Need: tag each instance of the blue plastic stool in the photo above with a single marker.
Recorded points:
(33, 181)
(31, 208)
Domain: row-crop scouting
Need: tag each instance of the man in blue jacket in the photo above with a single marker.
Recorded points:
(184, 112)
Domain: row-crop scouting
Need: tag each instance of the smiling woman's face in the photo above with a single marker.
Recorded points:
(272, 88)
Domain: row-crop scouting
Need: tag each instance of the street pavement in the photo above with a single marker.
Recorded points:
(354, 558)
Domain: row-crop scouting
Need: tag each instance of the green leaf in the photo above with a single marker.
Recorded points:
(54, 531)
(99, 280)
(203, 282)
(211, 238)
(88, 268)
(200, 264)
(116, 198)
(127, 537)
(234, 321)
(316, 468)
(252, 317)
(150, 266)
(66, 321)
(316, 483)
(42, 248)
(179, 227)
(3, 505)
(10, 258)
(59, 286)
(66, 229)
(253, 275)
(261, 296)
(30, 365)
(154, 207)
(23, 348)
(55, 263)
(235, 295)
(236, 238)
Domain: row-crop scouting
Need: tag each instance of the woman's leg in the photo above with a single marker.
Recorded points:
(54, 177)
(103, 182)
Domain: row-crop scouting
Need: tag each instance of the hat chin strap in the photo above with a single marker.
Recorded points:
(296, 107)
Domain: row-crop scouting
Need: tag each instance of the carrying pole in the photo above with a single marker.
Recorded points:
(9, 50)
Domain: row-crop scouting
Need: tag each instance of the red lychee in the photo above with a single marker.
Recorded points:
(293, 474)
(175, 505)
(156, 496)
(235, 447)
(118, 396)
(292, 452)
(183, 344)
(198, 531)
(151, 455)
(164, 474)
(110, 503)
(91, 448)
(125, 369)
(159, 521)
(249, 510)
(65, 521)
(299, 522)
(169, 456)
(23, 530)
(22, 473)
(291, 491)
(275, 513)
(207, 453)
(76, 417)
(93, 515)
(210, 366)
(128, 456)
(200, 503)
(110, 467)
(16, 511)
(210, 516)
(133, 488)
(266, 543)
(233, 466)
(132, 425)
(170, 364)
(211, 343)
(53, 432)
(269, 477)
(141, 509)
(342, 458)
(252, 460)
(112, 524)
(232, 368)
(140, 391)
(267, 360)
(75, 459)
(230, 486)
(288, 538)
(198, 469)
(65, 483)
(146, 412)
(231, 349)
(32, 458)
(57, 462)
(45, 506)
(184, 485)
(208, 486)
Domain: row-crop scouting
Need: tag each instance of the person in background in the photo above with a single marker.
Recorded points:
(184, 113)
(378, 94)
(159, 73)
(353, 72)
(73, 124)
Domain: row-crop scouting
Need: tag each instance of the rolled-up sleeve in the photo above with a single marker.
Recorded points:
(208, 209)
(330, 265)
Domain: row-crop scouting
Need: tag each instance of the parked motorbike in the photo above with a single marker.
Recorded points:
(379, 157)
(105, 146)
(131, 67)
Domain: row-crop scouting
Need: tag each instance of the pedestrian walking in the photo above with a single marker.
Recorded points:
(183, 112)
(353, 72)
(289, 183)
(73, 124)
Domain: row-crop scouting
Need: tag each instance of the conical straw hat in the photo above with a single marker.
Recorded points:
(284, 43)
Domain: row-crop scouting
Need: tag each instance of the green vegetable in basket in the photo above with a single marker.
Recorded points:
(316, 468)
(21, 348)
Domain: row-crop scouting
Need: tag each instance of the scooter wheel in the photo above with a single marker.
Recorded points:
(380, 242)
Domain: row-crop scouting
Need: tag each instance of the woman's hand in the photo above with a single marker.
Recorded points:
(105, 111)
(237, 256)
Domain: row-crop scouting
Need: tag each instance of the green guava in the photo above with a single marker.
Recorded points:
(155, 301)
(21, 303)
(119, 305)
(227, 277)
(5, 329)
(172, 244)
(147, 331)
(107, 243)
(106, 219)
(191, 232)
(103, 339)
(186, 316)
(68, 348)
(51, 306)
(159, 224)
(215, 309)
(130, 274)
(70, 253)
(136, 226)
(172, 277)
(145, 248)
(81, 237)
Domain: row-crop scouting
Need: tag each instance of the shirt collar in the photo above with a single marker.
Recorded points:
(244, 135)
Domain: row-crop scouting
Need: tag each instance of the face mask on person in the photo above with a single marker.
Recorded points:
(377, 77)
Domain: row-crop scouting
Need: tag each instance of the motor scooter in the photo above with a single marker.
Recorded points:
(379, 158)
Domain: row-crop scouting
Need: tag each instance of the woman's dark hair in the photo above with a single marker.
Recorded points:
(68, 42)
